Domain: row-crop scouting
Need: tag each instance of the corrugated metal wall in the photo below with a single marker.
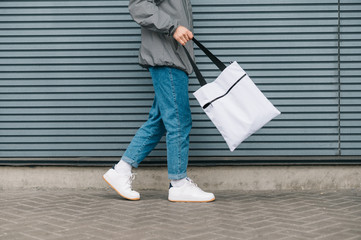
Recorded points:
(71, 90)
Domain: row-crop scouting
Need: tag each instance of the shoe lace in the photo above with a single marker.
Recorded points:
(131, 178)
(193, 183)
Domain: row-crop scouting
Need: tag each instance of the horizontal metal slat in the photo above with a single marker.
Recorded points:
(350, 51)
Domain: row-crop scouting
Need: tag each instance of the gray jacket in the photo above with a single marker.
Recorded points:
(158, 20)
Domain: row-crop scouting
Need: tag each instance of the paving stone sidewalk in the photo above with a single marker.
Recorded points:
(101, 214)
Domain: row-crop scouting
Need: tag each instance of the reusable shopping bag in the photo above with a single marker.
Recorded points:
(233, 102)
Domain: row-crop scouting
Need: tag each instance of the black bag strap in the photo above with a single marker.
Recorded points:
(213, 58)
(199, 75)
(210, 55)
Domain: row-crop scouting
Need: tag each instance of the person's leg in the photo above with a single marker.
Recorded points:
(146, 138)
(120, 176)
(171, 90)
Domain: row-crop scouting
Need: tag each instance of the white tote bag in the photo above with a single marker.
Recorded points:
(233, 102)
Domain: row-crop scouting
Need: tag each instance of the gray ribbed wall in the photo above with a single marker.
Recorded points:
(70, 86)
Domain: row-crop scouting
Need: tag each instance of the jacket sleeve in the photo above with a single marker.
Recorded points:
(148, 15)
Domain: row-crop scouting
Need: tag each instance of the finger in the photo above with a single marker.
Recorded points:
(180, 41)
(183, 39)
(190, 35)
(178, 38)
(183, 36)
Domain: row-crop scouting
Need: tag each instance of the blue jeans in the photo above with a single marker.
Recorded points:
(170, 114)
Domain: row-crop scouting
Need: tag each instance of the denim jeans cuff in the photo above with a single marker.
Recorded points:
(130, 161)
(177, 176)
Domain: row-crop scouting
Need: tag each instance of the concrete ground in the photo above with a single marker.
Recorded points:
(217, 178)
(101, 214)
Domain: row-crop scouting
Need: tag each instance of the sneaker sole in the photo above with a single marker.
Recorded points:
(132, 199)
(193, 201)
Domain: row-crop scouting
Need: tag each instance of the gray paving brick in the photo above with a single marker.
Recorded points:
(56, 222)
(355, 232)
(206, 235)
(263, 236)
(300, 234)
(321, 224)
(158, 238)
(74, 231)
(297, 238)
(265, 231)
(16, 236)
(4, 221)
(337, 236)
(312, 216)
(332, 229)
(101, 234)
(78, 236)
(170, 233)
(261, 224)
(41, 234)
(234, 234)
(287, 220)
(237, 228)
(193, 231)
(297, 227)
(101, 214)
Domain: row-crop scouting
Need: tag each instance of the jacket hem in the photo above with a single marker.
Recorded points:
(166, 65)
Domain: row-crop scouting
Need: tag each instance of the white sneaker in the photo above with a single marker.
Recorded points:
(189, 192)
(122, 184)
